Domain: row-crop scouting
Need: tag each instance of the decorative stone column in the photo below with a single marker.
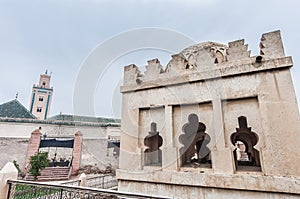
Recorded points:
(222, 156)
(170, 155)
(77, 148)
(33, 146)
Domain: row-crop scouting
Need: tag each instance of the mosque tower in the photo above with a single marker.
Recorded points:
(41, 97)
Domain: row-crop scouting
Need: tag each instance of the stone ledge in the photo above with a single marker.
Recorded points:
(250, 182)
(58, 122)
(166, 79)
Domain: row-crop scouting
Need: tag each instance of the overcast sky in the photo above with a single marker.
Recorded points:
(58, 35)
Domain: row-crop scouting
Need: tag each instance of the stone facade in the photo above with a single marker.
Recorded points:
(210, 99)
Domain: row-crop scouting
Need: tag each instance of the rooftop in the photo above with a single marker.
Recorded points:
(14, 109)
(78, 118)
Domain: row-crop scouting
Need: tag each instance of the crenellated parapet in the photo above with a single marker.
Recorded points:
(153, 69)
(209, 60)
(132, 74)
(271, 46)
(238, 51)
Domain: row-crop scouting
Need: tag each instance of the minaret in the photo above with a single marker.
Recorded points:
(41, 97)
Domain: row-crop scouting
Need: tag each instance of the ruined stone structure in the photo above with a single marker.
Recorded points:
(228, 122)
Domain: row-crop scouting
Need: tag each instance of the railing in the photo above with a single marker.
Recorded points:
(19, 189)
(72, 182)
(104, 181)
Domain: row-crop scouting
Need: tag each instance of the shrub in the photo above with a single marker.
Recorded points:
(38, 162)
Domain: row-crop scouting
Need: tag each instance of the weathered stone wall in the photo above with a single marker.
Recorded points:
(219, 84)
(259, 100)
(94, 152)
(13, 149)
(14, 139)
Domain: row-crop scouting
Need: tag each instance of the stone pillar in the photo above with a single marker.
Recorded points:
(82, 179)
(33, 146)
(8, 172)
(169, 154)
(131, 152)
(222, 161)
(77, 148)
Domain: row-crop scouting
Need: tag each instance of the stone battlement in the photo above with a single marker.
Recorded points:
(209, 60)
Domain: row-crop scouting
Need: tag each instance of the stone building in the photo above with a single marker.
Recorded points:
(215, 123)
(100, 136)
(97, 133)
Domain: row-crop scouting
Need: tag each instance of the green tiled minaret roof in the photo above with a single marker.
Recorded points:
(14, 109)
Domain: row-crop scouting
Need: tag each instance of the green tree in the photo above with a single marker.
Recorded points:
(38, 162)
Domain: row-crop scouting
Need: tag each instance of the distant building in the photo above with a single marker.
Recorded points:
(41, 97)
(101, 136)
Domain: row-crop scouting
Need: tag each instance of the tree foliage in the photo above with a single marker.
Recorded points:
(38, 162)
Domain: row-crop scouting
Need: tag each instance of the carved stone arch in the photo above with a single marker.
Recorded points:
(246, 157)
(153, 153)
(219, 57)
(194, 151)
(191, 62)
